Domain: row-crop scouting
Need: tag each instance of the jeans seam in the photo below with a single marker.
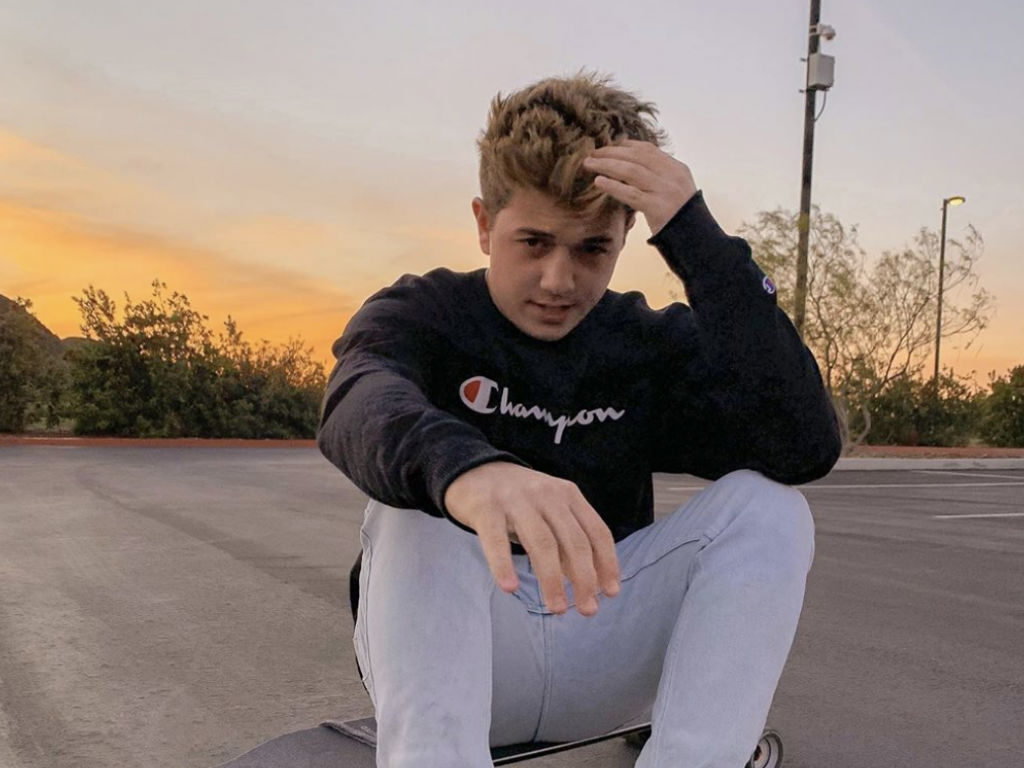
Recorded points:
(364, 607)
(707, 538)
(545, 624)
(668, 676)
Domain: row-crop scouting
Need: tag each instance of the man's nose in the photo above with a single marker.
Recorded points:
(557, 272)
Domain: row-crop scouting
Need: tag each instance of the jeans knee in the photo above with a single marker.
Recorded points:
(779, 518)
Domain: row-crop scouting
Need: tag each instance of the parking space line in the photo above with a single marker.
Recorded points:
(978, 516)
(961, 473)
(830, 486)
(854, 486)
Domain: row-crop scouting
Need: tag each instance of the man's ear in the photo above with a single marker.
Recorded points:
(630, 220)
(483, 225)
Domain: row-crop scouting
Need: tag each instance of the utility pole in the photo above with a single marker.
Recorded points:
(820, 69)
(946, 202)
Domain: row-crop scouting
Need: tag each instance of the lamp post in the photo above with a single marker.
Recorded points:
(954, 200)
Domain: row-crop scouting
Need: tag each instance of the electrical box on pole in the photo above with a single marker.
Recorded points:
(821, 70)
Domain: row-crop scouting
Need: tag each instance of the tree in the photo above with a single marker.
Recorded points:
(282, 385)
(871, 325)
(135, 378)
(19, 363)
(159, 371)
(1003, 420)
(910, 411)
(900, 337)
(31, 370)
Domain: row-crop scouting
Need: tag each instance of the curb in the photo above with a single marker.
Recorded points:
(869, 464)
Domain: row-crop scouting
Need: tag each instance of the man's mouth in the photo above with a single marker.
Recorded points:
(552, 311)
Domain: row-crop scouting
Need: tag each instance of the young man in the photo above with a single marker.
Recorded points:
(505, 424)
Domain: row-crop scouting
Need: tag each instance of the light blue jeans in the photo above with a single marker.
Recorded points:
(696, 639)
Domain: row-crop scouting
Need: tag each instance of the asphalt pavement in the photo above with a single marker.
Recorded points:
(177, 606)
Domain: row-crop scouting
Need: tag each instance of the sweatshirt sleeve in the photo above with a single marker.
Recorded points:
(742, 390)
(377, 425)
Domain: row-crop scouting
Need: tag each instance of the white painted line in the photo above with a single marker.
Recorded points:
(979, 516)
(829, 486)
(841, 487)
(962, 473)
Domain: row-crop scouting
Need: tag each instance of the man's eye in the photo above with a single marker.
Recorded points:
(531, 242)
(591, 252)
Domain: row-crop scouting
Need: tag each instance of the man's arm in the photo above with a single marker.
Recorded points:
(741, 389)
(738, 386)
(377, 424)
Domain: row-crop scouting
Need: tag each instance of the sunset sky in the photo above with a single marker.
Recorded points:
(280, 161)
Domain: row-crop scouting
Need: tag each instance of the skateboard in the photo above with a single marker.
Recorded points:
(352, 744)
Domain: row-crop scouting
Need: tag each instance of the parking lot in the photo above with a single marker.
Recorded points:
(177, 606)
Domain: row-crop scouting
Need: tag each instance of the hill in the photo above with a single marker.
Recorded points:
(44, 338)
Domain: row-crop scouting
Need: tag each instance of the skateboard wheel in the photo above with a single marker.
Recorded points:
(768, 752)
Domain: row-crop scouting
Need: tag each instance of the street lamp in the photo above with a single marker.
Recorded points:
(954, 200)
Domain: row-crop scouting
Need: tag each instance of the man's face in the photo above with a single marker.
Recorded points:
(549, 265)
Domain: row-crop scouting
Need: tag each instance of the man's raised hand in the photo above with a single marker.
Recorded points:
(564, 537)
(643, 177)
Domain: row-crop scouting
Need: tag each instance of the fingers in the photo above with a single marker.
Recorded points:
(576, 557)
(642, 176)
(494, 541)
(623, 169)
(567, 540)
(639, 154)
(542, 547)
(564, 537)
(628, 148)
(606, 561)
(624, 193)
(623, 179)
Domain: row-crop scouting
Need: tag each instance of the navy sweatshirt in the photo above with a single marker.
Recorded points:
(432, 380)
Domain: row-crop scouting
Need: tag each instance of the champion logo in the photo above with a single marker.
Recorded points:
(768, 285)
(478, 394)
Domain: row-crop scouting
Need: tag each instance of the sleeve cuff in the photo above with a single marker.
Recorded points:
(446, 476)
(692, 242)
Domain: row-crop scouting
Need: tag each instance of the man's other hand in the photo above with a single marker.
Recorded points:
(643, 177)
(564, 537)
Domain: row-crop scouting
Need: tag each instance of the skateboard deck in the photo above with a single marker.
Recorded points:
(352, 744)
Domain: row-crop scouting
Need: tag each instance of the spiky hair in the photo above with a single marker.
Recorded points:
(537, 138)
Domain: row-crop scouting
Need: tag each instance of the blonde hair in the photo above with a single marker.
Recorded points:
(538, 137)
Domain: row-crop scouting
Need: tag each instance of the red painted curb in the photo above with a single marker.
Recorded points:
(169, 442)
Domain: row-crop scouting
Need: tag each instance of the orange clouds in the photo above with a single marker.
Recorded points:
(49, 256)
(62, 228)
(38, 175)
